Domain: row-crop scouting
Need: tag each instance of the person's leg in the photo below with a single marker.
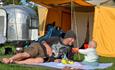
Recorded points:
(31, 61)
(17, 57)
(35, 50)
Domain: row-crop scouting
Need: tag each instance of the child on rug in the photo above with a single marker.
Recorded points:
(90, 55)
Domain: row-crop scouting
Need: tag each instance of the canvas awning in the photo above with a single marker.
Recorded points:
(60, 2)
(86, 3)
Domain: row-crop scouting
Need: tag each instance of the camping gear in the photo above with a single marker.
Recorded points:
(52, 31)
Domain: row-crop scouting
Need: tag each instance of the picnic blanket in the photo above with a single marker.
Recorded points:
(77, 65)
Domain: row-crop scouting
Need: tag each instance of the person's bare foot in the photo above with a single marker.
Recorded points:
(7, 60)
(69, 68)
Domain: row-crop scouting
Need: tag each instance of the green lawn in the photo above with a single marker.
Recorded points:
(21, 67)
(108, 60)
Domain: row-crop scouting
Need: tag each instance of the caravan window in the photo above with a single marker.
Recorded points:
(1, 24)
(33, 24)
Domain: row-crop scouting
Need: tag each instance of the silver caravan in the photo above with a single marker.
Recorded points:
(17, 23)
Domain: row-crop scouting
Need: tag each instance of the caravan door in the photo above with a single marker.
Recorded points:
(2, 25)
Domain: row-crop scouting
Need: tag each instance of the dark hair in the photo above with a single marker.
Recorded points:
(70, 34)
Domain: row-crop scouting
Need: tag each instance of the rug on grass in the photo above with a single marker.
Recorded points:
(77, 65)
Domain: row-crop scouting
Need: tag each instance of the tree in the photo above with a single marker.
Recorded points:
(6, 2)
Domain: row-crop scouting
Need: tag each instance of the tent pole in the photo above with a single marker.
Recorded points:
(74, 18)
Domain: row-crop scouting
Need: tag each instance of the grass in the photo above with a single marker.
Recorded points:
(19, 67)
(108, 60)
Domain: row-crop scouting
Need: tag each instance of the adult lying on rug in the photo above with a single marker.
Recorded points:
(44, 51)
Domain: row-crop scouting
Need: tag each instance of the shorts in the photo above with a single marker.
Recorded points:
(36, 50)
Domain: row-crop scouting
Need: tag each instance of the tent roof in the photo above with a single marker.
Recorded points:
(77, 2)
(62, 2)
(51, 1)
(81, 5)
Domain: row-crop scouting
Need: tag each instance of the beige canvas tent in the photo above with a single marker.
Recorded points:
(90, 19)
(98, 23)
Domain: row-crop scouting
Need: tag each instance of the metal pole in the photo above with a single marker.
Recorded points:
(73, 20)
